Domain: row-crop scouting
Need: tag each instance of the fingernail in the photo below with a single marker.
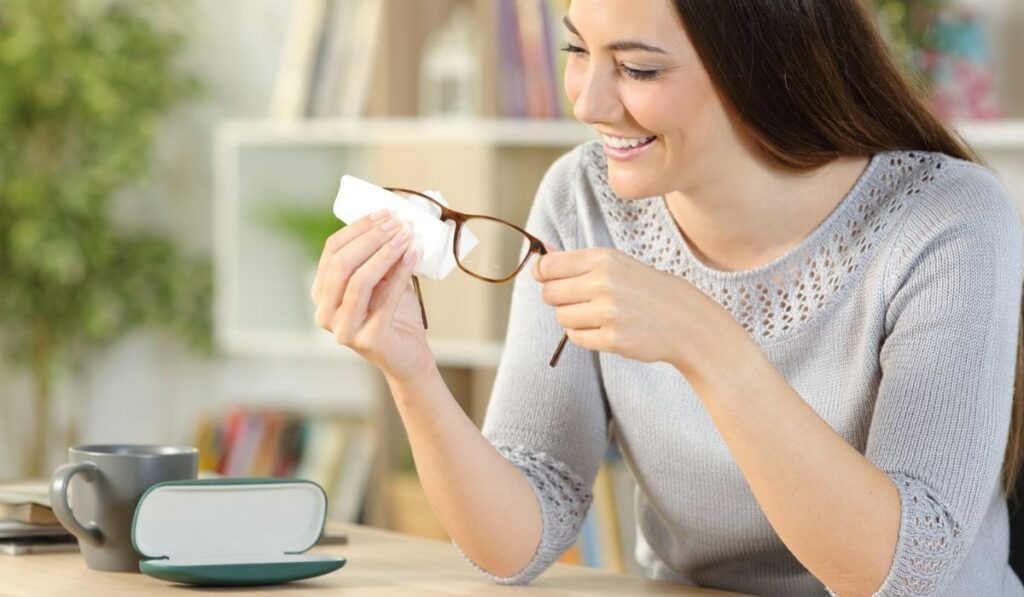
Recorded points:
(391, 224)
(409, 255)
(379, 215)
(400, 239)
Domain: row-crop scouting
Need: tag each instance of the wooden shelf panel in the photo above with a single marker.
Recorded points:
(496, 131)
(320, 345)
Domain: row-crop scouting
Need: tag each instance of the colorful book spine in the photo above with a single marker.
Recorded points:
(551, 45)
(336, 452)
(512, 101)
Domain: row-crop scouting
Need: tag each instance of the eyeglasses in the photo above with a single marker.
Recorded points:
(490, 261)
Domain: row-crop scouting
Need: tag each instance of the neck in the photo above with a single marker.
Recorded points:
(750, 212)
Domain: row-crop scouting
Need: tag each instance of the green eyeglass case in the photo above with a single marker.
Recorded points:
(232, 532)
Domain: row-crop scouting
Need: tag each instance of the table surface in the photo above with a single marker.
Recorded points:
(378, 563)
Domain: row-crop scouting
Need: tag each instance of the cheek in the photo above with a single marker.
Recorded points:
(678, 105)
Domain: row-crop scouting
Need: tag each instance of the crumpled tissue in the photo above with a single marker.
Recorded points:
(432, 238)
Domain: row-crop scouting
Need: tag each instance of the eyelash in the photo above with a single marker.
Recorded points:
(632, 73)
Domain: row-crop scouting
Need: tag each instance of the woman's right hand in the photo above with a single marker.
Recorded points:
(363, 296)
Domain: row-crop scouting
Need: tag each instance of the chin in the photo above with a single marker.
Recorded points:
(630, 188)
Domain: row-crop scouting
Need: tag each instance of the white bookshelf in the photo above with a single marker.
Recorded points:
(262, 307)
(994, 136)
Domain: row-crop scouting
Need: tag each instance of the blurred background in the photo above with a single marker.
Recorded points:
(166, 182)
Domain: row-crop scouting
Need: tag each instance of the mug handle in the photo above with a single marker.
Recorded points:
(89, 533)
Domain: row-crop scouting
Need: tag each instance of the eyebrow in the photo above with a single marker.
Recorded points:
(620, 46)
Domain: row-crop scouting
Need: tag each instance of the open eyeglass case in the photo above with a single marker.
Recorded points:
(232, 532)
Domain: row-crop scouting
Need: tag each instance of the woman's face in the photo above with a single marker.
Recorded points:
(633, 75)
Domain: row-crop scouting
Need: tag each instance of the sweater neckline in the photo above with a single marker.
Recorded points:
(835, 218)
(776, 300)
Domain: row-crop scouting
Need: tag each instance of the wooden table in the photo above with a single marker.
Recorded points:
(379, 563)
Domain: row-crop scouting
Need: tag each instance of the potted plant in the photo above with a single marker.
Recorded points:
(85, 85)
(306, 226)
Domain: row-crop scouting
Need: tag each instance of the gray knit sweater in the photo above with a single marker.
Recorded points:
(896, 320)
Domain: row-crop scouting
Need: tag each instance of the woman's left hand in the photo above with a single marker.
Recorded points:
(610, 302)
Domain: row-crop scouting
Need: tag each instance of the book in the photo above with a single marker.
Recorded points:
(606, 520)
(29, 512)
(10, 529)
(624, 490)
(27, 502)
(337, 52)
(551, 50)
(354, 476)
(335, 451)
(46, 544)
(592, 553)
(352, 96)
(511, 88)
(536, 74)
(295, 70)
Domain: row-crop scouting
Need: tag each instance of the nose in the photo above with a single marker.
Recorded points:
(598, 100)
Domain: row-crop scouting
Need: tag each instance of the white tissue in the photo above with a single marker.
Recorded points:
(432, 238)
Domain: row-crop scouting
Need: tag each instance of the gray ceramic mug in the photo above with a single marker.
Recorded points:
(106, 484)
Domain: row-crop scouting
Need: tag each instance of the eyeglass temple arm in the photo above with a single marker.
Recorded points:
(538, 246)
(558, 351)
(419, 298)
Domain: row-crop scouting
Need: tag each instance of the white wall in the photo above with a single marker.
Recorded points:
(147, 388)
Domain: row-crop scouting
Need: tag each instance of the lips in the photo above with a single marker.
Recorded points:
(628, 153)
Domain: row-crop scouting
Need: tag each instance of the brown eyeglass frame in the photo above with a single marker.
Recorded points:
(536, 247)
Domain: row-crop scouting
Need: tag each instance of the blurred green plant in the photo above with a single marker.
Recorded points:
(84, 88)
(306, 226)
(906, 24)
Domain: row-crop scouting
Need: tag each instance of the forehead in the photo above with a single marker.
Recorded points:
(628, 20)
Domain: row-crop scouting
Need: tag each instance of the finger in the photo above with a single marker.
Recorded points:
(567, 291)
(590, 339)
(341, 238)
(536, 262)
(396, 286)
(356, 299)
(563, 264)
(347, 260)
(578, 317)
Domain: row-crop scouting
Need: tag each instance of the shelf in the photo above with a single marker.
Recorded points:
(510, 132)
(997, 135)
(320, 345)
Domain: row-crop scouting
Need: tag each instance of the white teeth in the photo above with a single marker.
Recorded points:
(625, 143)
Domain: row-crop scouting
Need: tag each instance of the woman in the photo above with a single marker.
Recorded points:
(793, 301)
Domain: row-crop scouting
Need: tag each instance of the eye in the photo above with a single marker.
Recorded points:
(632, 73)
(637, 74)
(571, 49)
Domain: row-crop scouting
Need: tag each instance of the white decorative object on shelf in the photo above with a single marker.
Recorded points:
(450, 69)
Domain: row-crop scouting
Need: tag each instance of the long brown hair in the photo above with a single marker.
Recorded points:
(812, 80)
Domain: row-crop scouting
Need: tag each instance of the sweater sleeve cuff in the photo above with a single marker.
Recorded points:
(929, 545)
(564, 501)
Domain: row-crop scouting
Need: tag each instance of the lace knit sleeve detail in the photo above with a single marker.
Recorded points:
(564, 500)
(930, 541)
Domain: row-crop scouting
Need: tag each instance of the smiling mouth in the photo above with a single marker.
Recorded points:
(626, 144)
